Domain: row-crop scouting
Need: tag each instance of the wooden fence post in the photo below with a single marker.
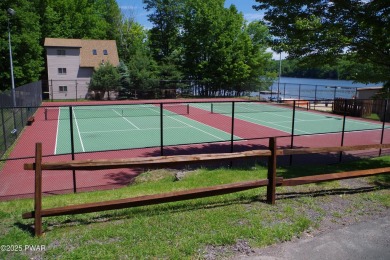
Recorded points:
(271, 188)
(38, 190)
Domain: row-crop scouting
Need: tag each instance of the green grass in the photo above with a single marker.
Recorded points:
(373, 116)
(187, 229)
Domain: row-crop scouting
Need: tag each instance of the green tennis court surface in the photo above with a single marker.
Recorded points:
(280, 117)
(99, 128)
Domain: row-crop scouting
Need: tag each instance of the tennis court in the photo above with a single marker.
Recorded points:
(106, 130)
(101, 128)
(280, 117)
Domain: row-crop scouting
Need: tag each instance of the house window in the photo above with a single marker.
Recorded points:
(94, 52)
(62, 71)
(63, 88)
(105, 52)
(61, 52)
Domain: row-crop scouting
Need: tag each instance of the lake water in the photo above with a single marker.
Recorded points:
(315, 89)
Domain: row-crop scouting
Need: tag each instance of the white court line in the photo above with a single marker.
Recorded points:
(207, 108)
(58, 126)
(273, 123)
(347, 132)
(348, 121)
(286, 127)
(78, 130)
(132, 129)
(126, 119)
(361, 122)
(311, 120)
(155, 109)
(305, 113)
(197, 128)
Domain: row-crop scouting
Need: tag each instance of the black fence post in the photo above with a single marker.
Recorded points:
(232, 131)
(76, 89)
(14, 118)
(161, 130)
(52, 90)
(299, 94)
(72, 146)
(292, 131)
(383, 124)
(343, 129)
(4, 130)
(21, 117)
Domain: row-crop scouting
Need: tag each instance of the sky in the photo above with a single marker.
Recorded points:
(135, 8)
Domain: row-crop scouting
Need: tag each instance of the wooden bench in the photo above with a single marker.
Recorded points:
(30, 120)
(298, 103)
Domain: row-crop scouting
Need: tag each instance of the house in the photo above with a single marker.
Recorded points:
(367, 92)
(71, 63)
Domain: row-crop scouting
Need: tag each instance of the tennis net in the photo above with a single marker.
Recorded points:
(248, 107)
(79, 112)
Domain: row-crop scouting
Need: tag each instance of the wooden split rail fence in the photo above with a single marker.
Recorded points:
(164, 161)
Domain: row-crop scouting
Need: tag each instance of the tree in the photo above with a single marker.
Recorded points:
(164, 39)
(80, 19)
(205, 44)
(112, 16)
(132, 40)
(135, 52)
(27, 53)
(320, 31)
(105, 79)
(143, 71)
(166, 19)
(220, 51)
(258, 58)
(124, 80)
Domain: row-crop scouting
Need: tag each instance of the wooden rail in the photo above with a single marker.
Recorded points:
(163, 161)
(150, 162)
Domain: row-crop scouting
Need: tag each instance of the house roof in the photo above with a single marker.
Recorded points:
(59, 42)
(369, 88)
(88, 59)
(92, 52)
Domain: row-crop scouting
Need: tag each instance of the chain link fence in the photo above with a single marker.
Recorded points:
(15, 110)
(139, 129)
(281, 91)
(77, 89)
